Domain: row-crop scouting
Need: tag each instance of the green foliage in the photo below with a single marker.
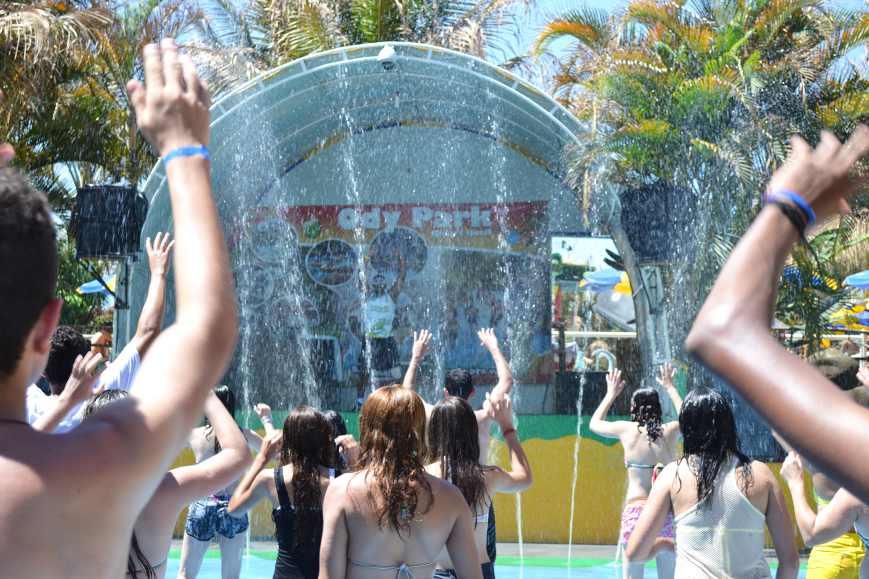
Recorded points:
(81, 311)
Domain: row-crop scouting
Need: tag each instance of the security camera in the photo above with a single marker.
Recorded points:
(386, 57)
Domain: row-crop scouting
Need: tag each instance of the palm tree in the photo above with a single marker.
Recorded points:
(236, 44)
(690, 106)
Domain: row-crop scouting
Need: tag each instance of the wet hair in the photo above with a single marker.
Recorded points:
(459, 382)
(137, 562)
(646, 412)
(710, 439)
(454, 441)
(227, 397)
(28, 262)
(392, 432)
(307, 445)
(860, 395)
(66, 345)
(339, 427)
(104, 398)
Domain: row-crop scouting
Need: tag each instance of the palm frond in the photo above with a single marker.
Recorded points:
(589, 27)
(37, 31)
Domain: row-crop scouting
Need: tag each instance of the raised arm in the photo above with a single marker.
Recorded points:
(151, 316)
(833, 521)
(254, 485)
(489, 340)
(519, 478)
(731, 334)
(598, 423)
(218, 471)
(421, 341)
(141, 436)
(79, 388)
(666, 381)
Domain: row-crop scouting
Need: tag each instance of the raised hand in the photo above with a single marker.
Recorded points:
(349, 449)
(85, 371)
(421, 343)
(488, 339)
(863, 376)
(502, 412)
(158, 254)
(666, 374)
(820, 175)
(614, 383)
(271, 446)
(792, 469)
(264, 412)
(172, 106)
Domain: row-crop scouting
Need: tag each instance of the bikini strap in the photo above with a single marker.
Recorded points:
(283, 495)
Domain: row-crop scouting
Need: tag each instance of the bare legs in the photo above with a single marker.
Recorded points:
(193, 553)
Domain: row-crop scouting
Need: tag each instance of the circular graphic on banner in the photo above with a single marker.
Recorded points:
(331, 262)
(256, 285)
(273, 241)
(387, 246)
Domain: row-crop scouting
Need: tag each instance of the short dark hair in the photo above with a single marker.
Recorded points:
(459, 382)
(104, 398)
(28, 262)
(66, 345)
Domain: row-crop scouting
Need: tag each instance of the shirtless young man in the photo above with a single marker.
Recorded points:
(70, 500)
(459, 382)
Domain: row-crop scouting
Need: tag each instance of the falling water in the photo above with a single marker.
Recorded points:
(586, 324)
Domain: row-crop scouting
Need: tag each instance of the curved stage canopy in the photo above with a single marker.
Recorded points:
(342, 147)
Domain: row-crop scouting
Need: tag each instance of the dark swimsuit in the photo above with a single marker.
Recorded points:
(295, 561)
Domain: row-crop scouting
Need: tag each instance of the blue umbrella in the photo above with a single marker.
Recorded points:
(859, 280)
(598, 281)
(95, 287)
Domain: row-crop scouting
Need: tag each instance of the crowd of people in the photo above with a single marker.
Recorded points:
(88, 492)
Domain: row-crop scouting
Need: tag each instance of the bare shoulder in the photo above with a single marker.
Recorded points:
(445, 493)
(483, 416)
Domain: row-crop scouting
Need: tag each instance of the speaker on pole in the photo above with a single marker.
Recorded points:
(107, 221)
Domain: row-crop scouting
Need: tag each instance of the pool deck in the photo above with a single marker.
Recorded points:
(510, 551)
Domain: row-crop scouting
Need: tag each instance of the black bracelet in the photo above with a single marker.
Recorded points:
(794, 215)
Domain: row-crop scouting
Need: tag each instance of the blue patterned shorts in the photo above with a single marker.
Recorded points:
(208, 517)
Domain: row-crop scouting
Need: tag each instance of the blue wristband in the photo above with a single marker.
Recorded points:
(190, 151)
(797, 200)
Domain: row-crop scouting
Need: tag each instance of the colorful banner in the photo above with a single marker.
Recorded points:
(358, 280)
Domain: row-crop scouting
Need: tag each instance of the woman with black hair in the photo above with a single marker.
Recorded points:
(649, 444)
(345, 444)
(721, 501)
(296, 489)
(454, 449)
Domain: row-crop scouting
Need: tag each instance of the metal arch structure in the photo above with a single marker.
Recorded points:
(433, 124)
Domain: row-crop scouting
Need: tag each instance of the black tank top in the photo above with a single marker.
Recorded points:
(295, 561)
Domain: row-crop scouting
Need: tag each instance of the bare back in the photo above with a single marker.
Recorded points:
(371, 545)
(641, 455)
(46, 498)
